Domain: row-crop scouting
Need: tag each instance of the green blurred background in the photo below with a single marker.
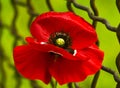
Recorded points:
(108, 40)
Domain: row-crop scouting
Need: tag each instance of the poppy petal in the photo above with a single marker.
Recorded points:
(81, 32)
(95, 59)
(32, 64)
(54, 49)
(65, 71)
(38, 32)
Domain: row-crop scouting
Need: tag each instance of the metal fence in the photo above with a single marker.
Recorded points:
(92, 13)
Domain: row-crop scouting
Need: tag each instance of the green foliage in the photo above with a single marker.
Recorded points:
(108, 40)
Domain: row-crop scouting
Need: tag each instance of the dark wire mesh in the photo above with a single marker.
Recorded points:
(92, 13)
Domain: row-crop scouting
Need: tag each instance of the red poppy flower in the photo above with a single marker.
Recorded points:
(62, 46)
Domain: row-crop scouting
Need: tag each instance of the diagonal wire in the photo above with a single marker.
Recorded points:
(118, 36)
(118, 56)
(2, 59)
(115, 75)
(94, 17)
(49, 5)
(90, 14)
(16, 37)
(94, 8)
(20, 3)
(118, 5)
(69, 7)
(31, 12)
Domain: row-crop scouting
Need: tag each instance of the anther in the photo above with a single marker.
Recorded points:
(60, 42)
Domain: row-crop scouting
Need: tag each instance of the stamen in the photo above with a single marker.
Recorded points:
(60, 39)
(60, 42)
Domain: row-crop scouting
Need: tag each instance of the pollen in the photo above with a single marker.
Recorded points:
(60, 41)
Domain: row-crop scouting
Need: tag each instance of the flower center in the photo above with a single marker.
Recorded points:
(60, 39)
(60, 42)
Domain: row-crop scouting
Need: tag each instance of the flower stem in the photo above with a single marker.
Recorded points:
(76, 85)
(70, 85)
(94, 82)
(55, 86)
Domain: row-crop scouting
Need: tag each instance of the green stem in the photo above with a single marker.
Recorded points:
(55, 86)
(70, 85)
(95, 79)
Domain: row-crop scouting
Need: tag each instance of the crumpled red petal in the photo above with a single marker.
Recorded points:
(54, 49)
(65, 71)
(37, 61)
(38, 32)
(82, 33)
(32, 64)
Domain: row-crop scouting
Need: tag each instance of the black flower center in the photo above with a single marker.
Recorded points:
(60, 39)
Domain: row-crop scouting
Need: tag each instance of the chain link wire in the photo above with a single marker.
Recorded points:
(94, 15)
